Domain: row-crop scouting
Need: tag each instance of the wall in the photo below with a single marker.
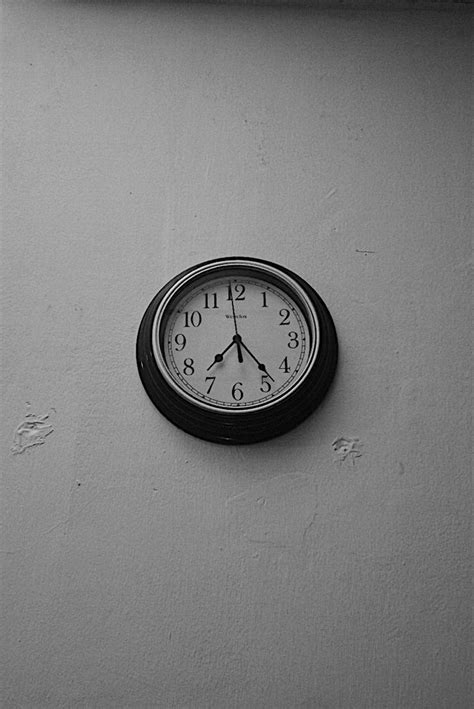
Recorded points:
(143, 567)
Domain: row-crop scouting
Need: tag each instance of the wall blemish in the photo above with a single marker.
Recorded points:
(264, 514)
(347, 449)
(32, 431)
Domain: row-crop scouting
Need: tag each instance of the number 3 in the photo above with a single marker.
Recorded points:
(294, 342)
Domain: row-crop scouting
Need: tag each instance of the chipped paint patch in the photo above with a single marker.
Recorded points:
(347, 449)
(31, 432)
(277, 513)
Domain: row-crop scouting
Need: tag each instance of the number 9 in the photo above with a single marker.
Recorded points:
(180, 342)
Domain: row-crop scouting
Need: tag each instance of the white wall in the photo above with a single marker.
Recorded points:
(143, 567)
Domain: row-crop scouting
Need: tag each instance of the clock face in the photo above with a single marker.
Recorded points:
(236, 350)
(236, 342)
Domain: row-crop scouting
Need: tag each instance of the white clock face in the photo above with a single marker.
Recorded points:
(235, 342)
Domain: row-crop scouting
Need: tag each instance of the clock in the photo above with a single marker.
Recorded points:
(236, 350)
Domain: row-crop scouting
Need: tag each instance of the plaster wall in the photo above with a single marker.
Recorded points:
(145, 568)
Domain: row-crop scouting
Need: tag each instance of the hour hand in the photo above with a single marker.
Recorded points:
(220, 355)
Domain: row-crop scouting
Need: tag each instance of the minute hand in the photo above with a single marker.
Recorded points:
(261, 366)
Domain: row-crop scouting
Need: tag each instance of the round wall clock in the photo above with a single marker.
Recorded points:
(236, 350)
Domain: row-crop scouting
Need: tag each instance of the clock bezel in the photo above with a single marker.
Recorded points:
(237, 425)
(232, 268)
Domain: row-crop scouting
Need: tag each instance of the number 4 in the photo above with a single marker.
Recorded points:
(285, 366)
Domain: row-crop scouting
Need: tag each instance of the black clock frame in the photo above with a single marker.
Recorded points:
(239, 426)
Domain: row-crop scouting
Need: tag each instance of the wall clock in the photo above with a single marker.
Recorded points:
(236, 350)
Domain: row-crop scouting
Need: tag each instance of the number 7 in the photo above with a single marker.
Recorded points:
(212, 380)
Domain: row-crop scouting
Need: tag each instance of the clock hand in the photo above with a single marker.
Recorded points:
(220, 356)
(237, 339)
(261, 366)
(240, 356)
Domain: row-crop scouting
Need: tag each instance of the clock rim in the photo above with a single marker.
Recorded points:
(235, 427)
(190, 279)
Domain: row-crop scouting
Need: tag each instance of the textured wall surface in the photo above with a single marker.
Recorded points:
(329, 568)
